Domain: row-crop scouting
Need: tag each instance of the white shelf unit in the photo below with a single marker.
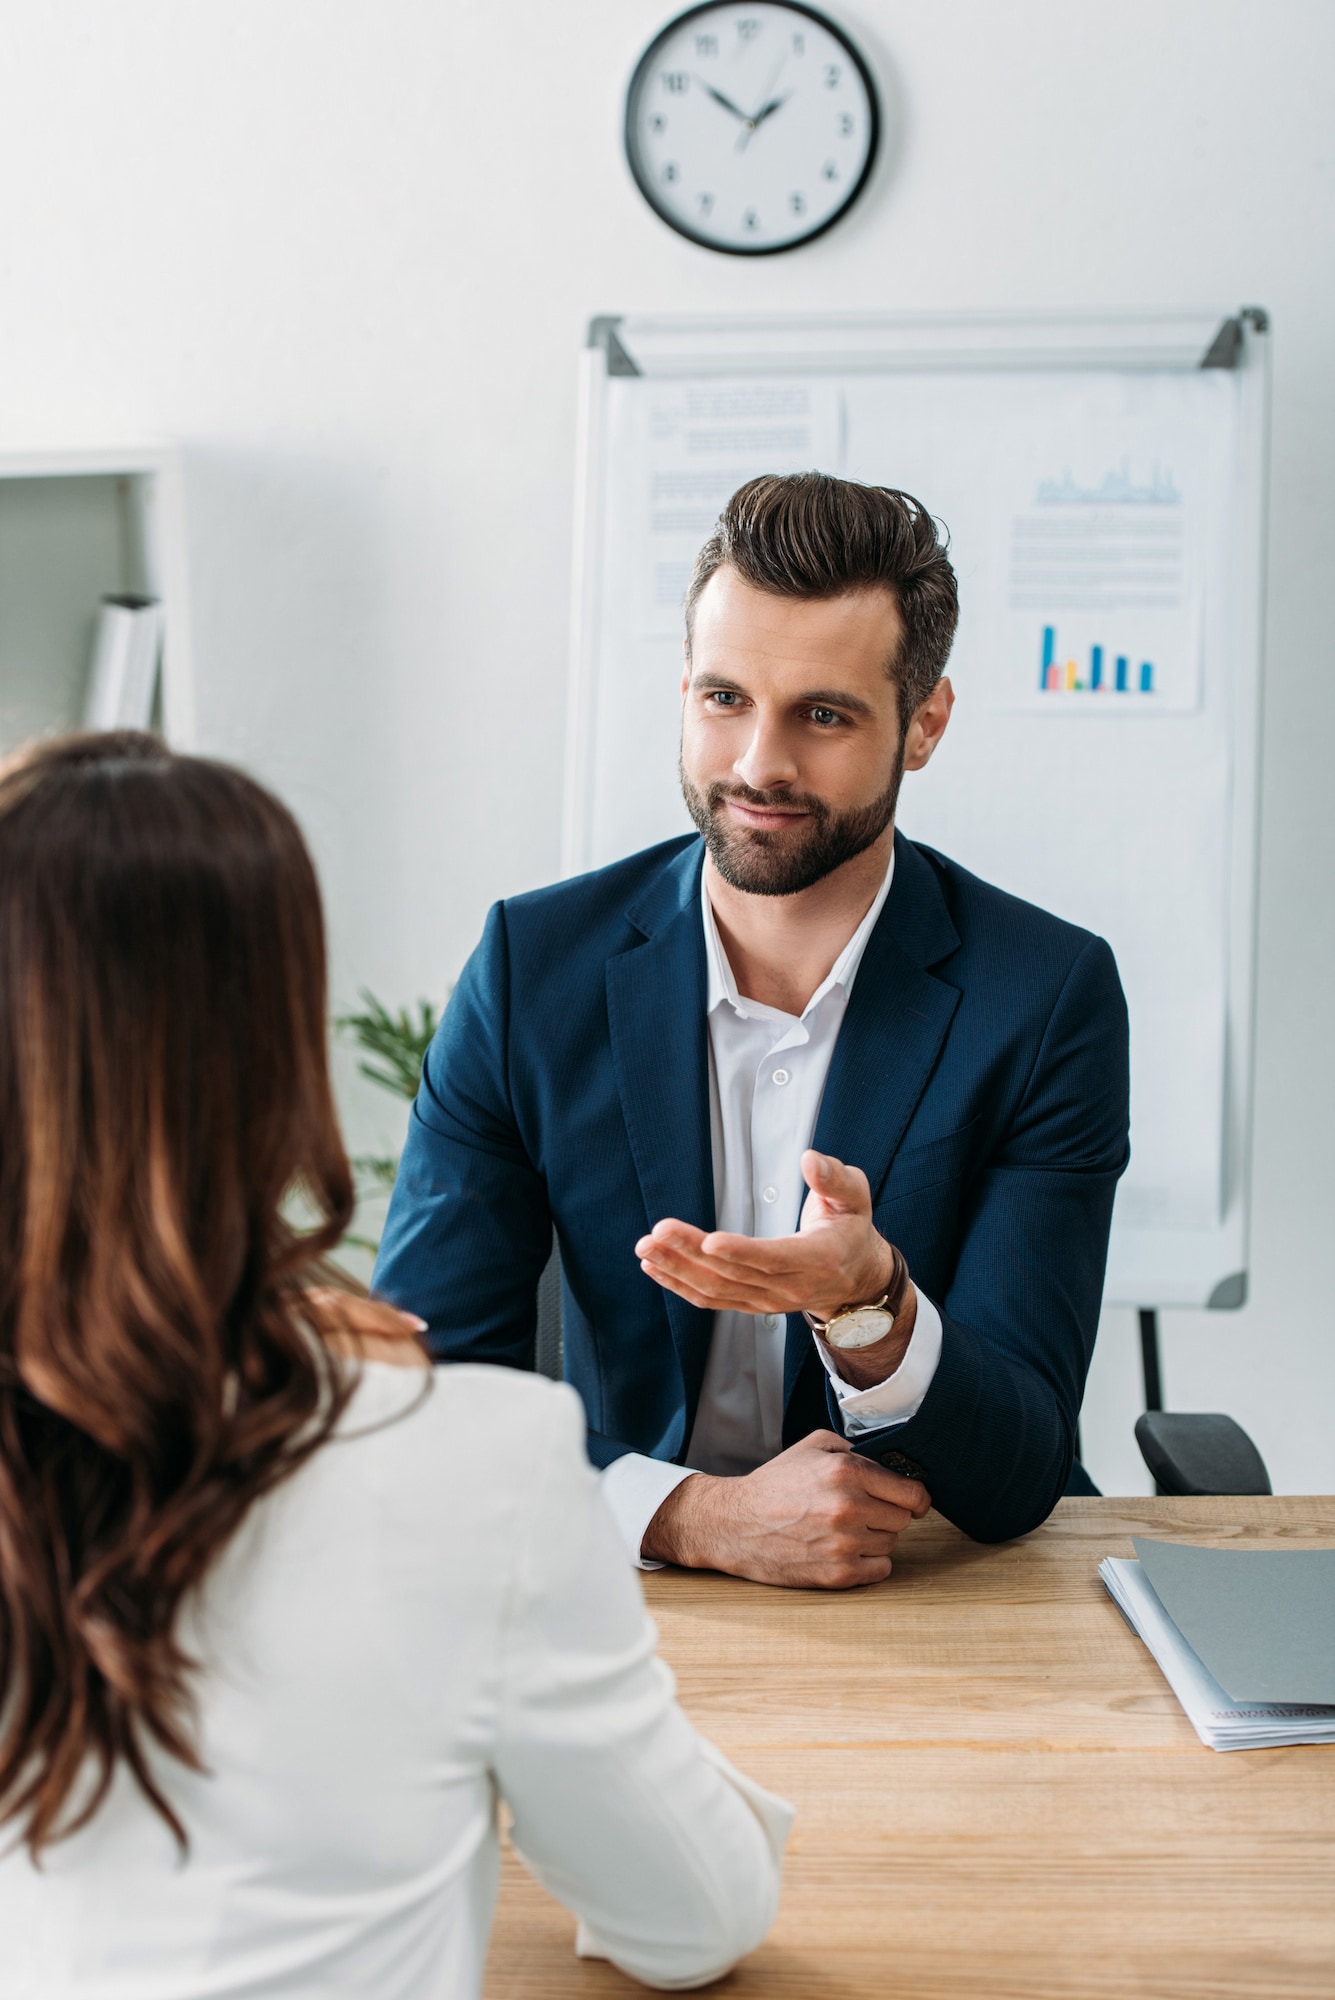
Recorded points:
(78, 524)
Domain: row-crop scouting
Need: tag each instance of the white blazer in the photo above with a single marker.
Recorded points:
(434, 1613)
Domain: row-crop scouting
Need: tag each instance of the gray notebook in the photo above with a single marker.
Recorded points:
(1261, 1620)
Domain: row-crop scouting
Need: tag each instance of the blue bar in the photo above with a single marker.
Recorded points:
(1147, 678)
(1121, 673)
(1049, 648)
(1096, 666)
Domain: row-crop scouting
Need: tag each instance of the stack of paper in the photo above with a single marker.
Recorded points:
(123, 674)
(1245, 1638)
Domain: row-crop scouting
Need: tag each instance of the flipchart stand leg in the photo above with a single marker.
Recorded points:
(1149, 1357)
(1149, 1362)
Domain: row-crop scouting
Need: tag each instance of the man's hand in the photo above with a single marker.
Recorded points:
(836, 1259)
(817, 1517)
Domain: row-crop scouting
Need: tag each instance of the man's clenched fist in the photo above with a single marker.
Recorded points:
(818, 1517)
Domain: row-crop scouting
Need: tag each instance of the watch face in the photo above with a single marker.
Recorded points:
(751, 129)
(862, 1327)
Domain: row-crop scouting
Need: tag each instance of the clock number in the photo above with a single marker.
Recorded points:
(798, 204)
(658, 123)
(671, 172)
(706, 203)
(829, 172)
(845, 124)
(799, 45)
(750, 220)
(748, 30)
(832, 75)
(676, 80)
(706, 45)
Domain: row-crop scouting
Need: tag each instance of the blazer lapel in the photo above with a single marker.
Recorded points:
(897, 1018)
(892, 1033)
(656, 1012)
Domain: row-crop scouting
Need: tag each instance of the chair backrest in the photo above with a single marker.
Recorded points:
(1191, 1451)
(549, 1350)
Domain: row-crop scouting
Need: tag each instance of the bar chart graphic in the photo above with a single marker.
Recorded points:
(1100, 672)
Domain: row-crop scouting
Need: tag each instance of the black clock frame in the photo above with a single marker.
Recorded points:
(649, 191)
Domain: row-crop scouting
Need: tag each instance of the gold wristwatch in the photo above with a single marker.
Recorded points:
(863, 1325)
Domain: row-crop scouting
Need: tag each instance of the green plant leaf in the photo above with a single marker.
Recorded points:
(371, 1243)
(398, 1042)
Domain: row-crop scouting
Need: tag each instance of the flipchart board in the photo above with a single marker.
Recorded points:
(1102, 481)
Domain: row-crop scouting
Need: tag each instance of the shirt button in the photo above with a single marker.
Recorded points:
(769, 1194)
(781, 1076)
(773, 1322)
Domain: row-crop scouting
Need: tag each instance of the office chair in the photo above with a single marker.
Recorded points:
(1192, 1452)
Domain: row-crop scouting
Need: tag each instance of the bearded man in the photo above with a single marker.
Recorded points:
(827, 1129)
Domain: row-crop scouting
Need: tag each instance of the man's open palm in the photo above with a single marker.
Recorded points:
(836, 1258)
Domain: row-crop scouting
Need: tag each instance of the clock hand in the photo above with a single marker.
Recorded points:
(772, 106)
(744, 138)
(719, 98)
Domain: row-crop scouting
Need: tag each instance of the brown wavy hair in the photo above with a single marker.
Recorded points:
(164, 1094)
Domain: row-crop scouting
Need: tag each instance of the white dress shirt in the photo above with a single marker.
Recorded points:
(434, 1612)
(767, 1077)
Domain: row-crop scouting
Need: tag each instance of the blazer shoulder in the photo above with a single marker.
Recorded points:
(510, 1425)
(488, 1397)
(464, 1409)
(599, 898)
(993, 921)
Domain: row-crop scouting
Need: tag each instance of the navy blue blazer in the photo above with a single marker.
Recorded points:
(979, 1080)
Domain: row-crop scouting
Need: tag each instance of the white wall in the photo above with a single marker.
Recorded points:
(345, 250)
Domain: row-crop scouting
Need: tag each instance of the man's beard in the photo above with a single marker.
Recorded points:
(765, 862)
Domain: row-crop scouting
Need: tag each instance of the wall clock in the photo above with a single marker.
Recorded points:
(751, 129)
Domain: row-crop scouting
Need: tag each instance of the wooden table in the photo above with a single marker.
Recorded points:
(997, 1794)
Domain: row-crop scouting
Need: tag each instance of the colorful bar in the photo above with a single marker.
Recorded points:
(1058, 676)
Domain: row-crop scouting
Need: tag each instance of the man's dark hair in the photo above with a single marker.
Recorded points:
(805, 534)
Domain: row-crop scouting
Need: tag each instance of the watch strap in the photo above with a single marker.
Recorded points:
(891, 1300)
